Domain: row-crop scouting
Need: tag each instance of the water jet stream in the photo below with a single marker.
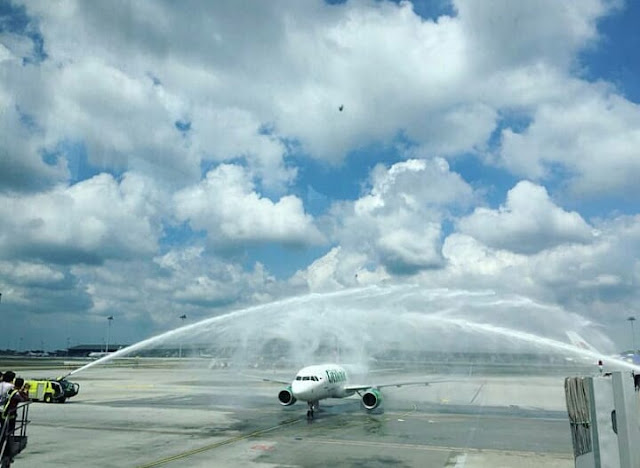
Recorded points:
(362, 322)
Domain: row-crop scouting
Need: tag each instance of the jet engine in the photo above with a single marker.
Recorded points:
(286, 397)
(372, 398)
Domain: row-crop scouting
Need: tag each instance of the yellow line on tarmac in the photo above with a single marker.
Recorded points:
(218, 444)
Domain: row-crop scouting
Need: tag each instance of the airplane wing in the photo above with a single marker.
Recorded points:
(357, 388)
(264, 379)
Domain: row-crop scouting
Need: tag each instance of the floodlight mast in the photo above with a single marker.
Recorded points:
(633, 334)
(109, 320)
(183, 317)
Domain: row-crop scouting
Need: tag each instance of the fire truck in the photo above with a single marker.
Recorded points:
(52, 390)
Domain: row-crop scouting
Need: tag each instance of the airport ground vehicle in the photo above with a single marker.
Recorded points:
(52, 390)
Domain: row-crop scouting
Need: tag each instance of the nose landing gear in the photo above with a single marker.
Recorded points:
(312, 405)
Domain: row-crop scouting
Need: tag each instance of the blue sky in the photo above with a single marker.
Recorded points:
(194, 158)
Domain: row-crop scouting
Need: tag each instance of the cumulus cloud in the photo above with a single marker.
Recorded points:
(24, 169)
(147, 297)
(527, 223)
(161, 93)
(196, 279)
(594, 279)
(397, 222)
(593, 137)
(456, 72)
(337, 269)
(31, 274)
(504, 33)
(91, 221)
(226, 205)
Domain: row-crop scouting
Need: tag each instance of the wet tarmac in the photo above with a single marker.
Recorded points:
(184, 414)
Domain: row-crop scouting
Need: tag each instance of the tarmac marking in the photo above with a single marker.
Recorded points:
(221, 443)
(112, 428)
(424, 447)
(477, 393)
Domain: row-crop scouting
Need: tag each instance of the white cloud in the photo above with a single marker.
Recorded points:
(184, 280)
(201, 283)
(403, 249)
(195, 279)
(397, 223)
(23, 167)
(30, 274)
(222, 134)
(14, 46)
(527, 223)
(226, 205)
(595, 279)
(593, 136)
(93, 220)
(506, 33)
(337, 269)
(5, 54)
(393, 71)
(254, 86)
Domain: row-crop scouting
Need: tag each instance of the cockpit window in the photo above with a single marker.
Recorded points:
(313, 378)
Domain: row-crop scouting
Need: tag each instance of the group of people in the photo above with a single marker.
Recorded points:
(13, 391)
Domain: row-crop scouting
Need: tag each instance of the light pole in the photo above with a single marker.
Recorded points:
(633, 334)
(109, 319)
(183, 317)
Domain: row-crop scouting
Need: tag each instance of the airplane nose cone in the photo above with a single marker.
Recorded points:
(302, 390)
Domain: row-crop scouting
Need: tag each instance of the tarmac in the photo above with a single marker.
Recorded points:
(176, 413)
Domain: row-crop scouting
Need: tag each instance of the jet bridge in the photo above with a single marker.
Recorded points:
(604, 415)
(13, 440)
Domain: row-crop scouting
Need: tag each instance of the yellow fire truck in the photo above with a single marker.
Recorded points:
(52, 390)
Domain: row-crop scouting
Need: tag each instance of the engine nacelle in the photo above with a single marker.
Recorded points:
(285, 397)
(372, 398)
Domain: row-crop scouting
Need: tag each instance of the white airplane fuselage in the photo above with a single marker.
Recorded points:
(315, 383)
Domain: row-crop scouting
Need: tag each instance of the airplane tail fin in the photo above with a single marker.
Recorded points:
(579, 342)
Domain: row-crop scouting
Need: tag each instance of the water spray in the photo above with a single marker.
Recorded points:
(371, 320)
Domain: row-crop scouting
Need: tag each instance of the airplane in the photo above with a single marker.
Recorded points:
(314, 383)
(578, 341)
(99, 354)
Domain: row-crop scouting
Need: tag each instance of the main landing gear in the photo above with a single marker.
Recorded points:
(312, 405)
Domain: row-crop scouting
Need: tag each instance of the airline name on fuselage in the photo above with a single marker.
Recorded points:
(335, 376)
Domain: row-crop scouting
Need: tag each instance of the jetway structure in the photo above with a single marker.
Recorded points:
(604, 415)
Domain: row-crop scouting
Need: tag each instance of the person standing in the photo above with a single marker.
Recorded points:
(6, 385)
(15, 397)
